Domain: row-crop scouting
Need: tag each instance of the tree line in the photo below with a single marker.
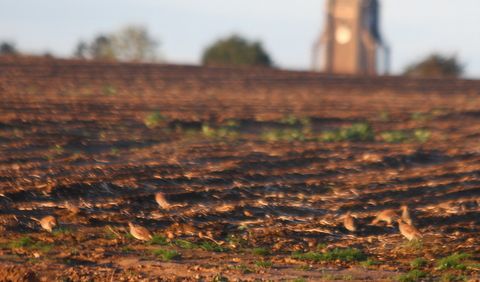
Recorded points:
(135, 44)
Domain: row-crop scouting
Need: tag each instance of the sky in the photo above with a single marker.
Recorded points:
(287, 28)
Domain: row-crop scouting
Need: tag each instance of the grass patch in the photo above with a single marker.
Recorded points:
(369, 263)
(62, 231)
(421, 117)
(263, 264)
(412, 276)
(154, 120)
(418, 263)
(126, 249)
(212, 247)
(456, 261)
(260, 252)
(184, 244)
(227, 130)
(29, 243)
(244, 269)
(347, 254)
(413, 246)
(449, 277)
(110, 234)
(421, 135)
(167, 255)
(288, 134)
(158, 240)
(357, 132)
(396, 136)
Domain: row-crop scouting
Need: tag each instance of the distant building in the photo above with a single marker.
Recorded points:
(351, 42)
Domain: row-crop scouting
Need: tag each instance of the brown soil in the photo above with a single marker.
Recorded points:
(76, 132)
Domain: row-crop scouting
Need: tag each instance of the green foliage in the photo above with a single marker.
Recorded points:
(396, 136)
(236, 51)
(347, 254)
(414, 246)
(29, 243)
(242, 268)
(154, 120)
(158, 240)
(455, 261)
(418, 135)
(167, 255)
(263, 264)
(356, 132)
(62, 231)
(212, 247)
(260, 252)
(422, 135)
(418, 263)
(23, 242)
(184, 244)
(450, 277)
(412, 276)
(289, 135)
(369, 263)
(228, 130)
(420, 117)
(435, 65)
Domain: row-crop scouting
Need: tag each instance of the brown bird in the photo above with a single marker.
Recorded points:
(48, 223)
(140, 232)
(349, 222)
(387, 215)
(409, 231)
(162, 201)
(406, 215)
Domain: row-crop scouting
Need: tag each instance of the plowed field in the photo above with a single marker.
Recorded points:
(259, 167)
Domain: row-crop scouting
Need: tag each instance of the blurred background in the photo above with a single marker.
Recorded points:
(287, 29)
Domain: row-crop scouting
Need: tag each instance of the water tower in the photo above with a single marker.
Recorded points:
(351, 42)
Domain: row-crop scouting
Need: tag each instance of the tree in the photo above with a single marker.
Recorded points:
(130, 44)
(436, 65)
(7, 48)
(236, 51)
(134, 44)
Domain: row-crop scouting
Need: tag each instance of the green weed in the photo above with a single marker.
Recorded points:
(154, 120)
(167, 255)
(158, 240)
(455, 261)
(260, 252)
(396, 136)
(348, 254)
(263, 264)
(412, 276)
(418, 263)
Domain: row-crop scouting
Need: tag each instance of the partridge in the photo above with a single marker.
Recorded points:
(387, 215)
(48, 223)
(406, 215)
(162, 201)
(139, 232)
(409, 231)
(349, 222)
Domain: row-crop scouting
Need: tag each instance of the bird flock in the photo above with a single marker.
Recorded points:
(389, 216)
(404, 221)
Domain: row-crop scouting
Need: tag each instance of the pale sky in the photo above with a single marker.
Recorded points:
(287, 28)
